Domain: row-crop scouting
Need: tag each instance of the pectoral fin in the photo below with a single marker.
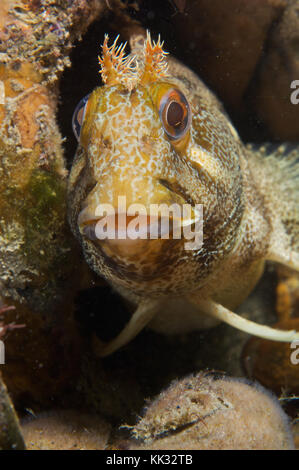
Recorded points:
(276, 172)
(218, 311)
(145, 311)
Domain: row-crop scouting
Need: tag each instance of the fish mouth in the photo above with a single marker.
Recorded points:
(132, 228)
(124, 227)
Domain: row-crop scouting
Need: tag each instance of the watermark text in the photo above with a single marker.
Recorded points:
(295, 94)
(2, 352)
(294, 358)
(138, 222)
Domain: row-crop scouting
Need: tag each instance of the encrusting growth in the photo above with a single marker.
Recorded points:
(208, 412)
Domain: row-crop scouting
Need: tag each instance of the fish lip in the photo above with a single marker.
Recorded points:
(156, 227)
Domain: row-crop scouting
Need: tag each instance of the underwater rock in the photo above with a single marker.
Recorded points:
(10, 433)
(42, 32)
(276, 366)
(247, 52)
(65, 430)
(223, 42)
(40, 268)
(42, 359)
(207, 412)
(280, 67)
(36, 248)
(287, 295)
(271, 363)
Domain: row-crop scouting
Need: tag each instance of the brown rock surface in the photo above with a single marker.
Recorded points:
(279, 68)
(224, 41)
(40, 267)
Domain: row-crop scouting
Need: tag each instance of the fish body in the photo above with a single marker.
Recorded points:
(155, 135)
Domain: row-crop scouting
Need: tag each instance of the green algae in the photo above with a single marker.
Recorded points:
(45, 213)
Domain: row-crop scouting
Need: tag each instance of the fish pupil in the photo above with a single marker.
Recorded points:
(174, 114)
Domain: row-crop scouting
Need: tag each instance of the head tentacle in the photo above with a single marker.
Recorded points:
(115, 66)
(155, 65)
(118, 68)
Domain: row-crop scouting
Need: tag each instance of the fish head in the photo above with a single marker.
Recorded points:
(146, 175)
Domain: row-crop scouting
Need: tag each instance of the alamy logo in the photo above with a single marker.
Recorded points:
(295, 94)
(294, 358)
(136, 221)
(2, 353)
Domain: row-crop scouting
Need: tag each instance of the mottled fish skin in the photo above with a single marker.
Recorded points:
(124, 150)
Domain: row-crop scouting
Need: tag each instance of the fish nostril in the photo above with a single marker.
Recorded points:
(106, 143)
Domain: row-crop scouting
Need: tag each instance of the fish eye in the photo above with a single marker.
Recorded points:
(175, 114)
(79, 115)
